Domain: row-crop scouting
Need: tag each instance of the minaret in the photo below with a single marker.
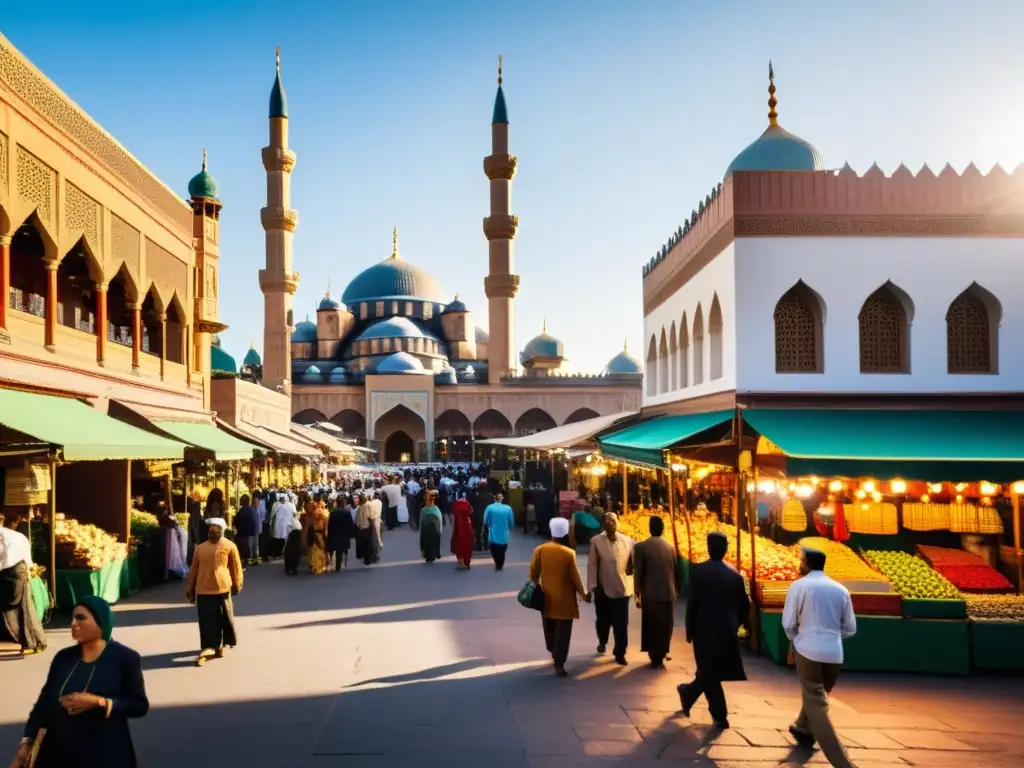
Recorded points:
(278, 282)
(501, 284)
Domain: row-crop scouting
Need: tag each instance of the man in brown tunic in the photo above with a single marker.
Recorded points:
(215, 576)
(654, 583)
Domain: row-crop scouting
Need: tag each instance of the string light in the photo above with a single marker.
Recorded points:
(836, 486)
(987, 489)
(868, 486)
(898, 486)
(935, 487)
(1018, 487)
(925, 498)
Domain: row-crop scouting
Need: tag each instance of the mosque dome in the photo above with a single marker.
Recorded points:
(623, 363)
(203, 184)
(328, 303)
(543, 345)
(252, 357)
(312, 375)
(221, 360)
(400, 362)
(395, 328)
(392, 278)
(456, 305)
(482, 337)
(305, 331)
(339, 375)
(777, 149)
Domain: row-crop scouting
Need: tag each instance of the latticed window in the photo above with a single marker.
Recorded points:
(968, 336)
(796, 335)
(883, 334)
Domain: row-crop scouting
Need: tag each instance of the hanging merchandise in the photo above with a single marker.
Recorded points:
(839, 530)
(878, 518)
(969, 518)
(925, 517)
(794, 516)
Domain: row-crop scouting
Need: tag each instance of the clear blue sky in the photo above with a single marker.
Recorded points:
(623, 115)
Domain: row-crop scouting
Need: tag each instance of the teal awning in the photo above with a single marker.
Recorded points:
(223, 446)
(646, 442)
(84, 433)
(928, 445)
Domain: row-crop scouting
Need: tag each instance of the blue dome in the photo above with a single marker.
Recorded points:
(446, 376)
(543, 346)
(455, 306)
(252, 357)
(392, 278)
(400, 362)
(221, 360)
(328, 303)
(395, 328)
(777, 150)
(623, 363)
(339, 376)
(305, 331)
(312, 375)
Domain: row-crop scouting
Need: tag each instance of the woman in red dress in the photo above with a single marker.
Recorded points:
(462, 532)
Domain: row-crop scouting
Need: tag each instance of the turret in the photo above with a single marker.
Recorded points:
(333, 323)
(457, 324)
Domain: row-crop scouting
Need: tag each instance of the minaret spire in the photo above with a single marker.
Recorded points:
(204, 158)
(499, 70)
(394, 243)
(544, 326)
(773, 116)
(625, 344)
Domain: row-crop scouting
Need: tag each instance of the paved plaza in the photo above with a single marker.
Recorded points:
(409, 664)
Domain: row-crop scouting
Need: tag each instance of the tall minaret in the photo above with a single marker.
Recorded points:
(501, 284)
(278, 282)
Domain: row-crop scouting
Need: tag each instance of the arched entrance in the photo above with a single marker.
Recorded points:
(401, 420)
(399, 448)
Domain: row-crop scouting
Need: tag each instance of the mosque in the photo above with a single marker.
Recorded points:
(395, 360)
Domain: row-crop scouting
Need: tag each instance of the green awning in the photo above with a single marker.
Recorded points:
(931, 445)
(645, 442)
(84, 433)
(223, 446)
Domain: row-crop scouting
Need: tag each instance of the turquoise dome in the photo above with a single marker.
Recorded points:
(203, 184)
(312, 375)
(305, 331)
(328, 303)
(623, 363)
(777, 150)
(543, 346)
(252, 357)
(393, 278)
(221, 360)
(339, 375)
(400, 362)
(395, 328)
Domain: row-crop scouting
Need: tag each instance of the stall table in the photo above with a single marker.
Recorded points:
(75, 583)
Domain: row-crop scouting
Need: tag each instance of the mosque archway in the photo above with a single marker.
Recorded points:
(399, 448)
(534, 420)
(582, 414)
(77, 276)
(352, 423)
(309, 416)
(401, 420)
(492, 423)
(452, 423)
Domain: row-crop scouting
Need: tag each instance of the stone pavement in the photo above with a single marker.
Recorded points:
(413, 664)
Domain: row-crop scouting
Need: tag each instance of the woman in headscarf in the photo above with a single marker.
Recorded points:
(293, 547)
(462, 532)
(367, 534)
(430, 529)
(80, 719)
(317, 533)
(340, 528)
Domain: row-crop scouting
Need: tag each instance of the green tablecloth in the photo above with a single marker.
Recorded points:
(40, 596)
(997, 644)
(73, 584)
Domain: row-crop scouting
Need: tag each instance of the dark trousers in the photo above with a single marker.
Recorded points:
(612, 614)
(414, 513)
(498, 554)
(216, 621)
(557, 636)
(712, 691)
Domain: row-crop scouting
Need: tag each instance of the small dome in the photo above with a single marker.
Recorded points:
(252, 357)
(339, 375)
(312, 375)
(482, 337)
(221, 360)
(400, 362)
(393, 278)
(328, 303)
(544, 345)
(446, 376)
(455, 306)
(305, 331)
(623, 363)
(395, 327)
(203, 184)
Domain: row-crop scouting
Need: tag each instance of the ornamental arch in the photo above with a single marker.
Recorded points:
(309, 416)
(581, 414)
(884, 323)
(452, 423)
(972, 332)
(492, 423)
(534, 420)
(651, 369)
(352, 422)
(799, 320)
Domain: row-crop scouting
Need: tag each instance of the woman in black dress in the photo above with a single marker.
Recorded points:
(340, 529)
(80, 719)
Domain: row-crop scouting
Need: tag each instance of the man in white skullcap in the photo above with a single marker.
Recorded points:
(215, 576)
(553, 567)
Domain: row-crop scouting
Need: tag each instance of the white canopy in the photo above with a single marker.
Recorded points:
(565, 436)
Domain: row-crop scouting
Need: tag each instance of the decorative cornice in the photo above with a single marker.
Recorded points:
(500, 167)
(279, 218)
(878, 226)
(501, 226)
(278, 159)
(501, 286)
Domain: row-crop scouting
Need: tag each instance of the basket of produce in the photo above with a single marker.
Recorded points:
(926, 593)
(842, 563)
(81, 546)
(794, 516)
(876, 603)
(1009, 608)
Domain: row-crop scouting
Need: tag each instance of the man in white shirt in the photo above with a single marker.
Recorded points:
(376, 513)
(817, 617)
(393, 496)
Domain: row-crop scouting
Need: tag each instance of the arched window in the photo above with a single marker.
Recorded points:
(971, 324)
(673, 359)
(715, 339)
(885, 331)
(684, 353)
(798, 331)
(663, 364)
(651, 371)
(698, 346)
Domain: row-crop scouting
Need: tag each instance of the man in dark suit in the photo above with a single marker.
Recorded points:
(654, 584)
(717, 606)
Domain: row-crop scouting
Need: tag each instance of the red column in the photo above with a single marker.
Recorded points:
(136, 334)
(101, 323)
(5, 278)
(51, 305)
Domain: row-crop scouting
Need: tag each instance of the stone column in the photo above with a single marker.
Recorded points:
(136, 335)
(101, 323)
(163, 343)
(51, 306)
(5, 278)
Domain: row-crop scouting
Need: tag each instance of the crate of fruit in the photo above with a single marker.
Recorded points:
(876, 603)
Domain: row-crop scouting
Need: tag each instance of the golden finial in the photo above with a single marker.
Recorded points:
(544, 327)
(499, 69)
(394, 243)
(773, 116)
(251, 344)
(456, 297)
(204, 158)
(277, 54)
(328, 294)
(625, 344)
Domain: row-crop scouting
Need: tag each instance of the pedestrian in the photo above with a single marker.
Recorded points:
(431, 524)
(93, 688)
(609, 577)
(817, 617)
(553, 567)
(392, 493)
(247, 531)
(480, 500)
(377, 516)
(340, 529)
(293, 545)
(283, 514)
(415, 502)
(367, 532)
(19, 622)
(463, 541)
(317, 539)
(716, 608)
(654, 579)
(499, 520)
(214, 578)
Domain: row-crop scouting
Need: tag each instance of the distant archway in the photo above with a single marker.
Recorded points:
(534, 420)
(399, 448)
(492, 423)
(309, 416)
(351, 422)
(452, 423)
(582, 414)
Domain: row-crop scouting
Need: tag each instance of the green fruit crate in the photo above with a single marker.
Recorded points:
(930, 608)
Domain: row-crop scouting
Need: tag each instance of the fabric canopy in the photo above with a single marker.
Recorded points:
(564, 436)
(646, 442)
(84, 433)
(936, 446)
(291, 446)
(223, 446)
(331, 443)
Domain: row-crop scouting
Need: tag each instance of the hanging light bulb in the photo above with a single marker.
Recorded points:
(836, 486)
(959, 499)
(861, 493)
(935, 487)
(868, 486)
(987, 489)
(1018, 487)
(925, 498)
(804, 491)
(898, 486)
